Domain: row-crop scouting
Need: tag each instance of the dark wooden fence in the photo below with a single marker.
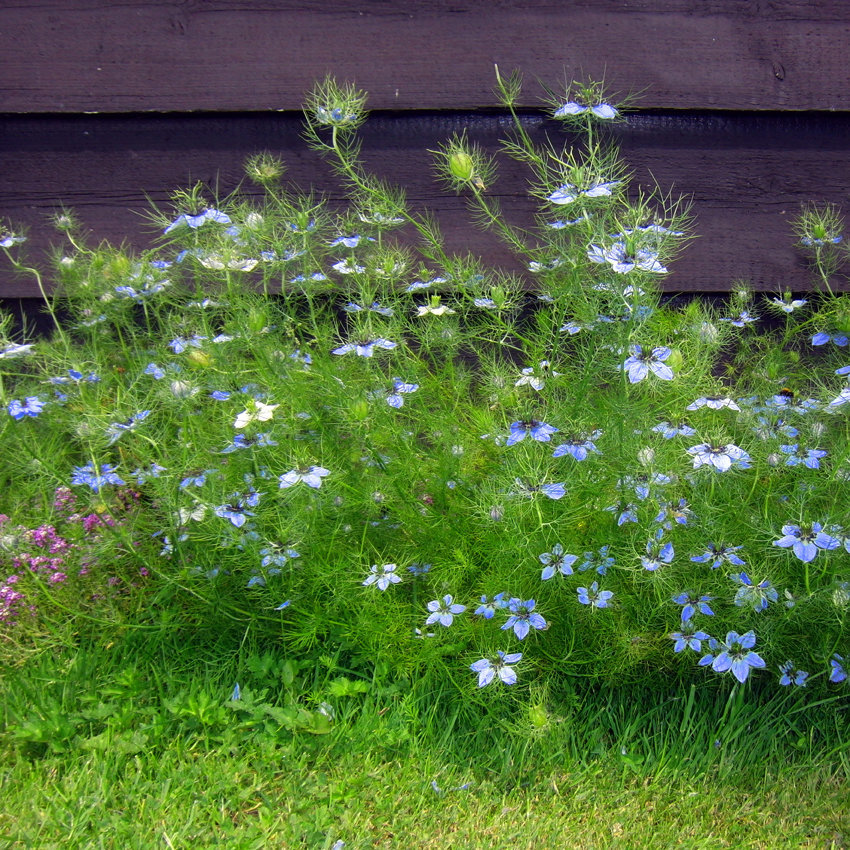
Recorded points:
(744, 107)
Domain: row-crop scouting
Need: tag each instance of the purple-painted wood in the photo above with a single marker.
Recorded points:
(76, 56)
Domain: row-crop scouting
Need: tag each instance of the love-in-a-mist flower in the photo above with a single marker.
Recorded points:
(196, 220)
(534, 428)
(311, 475)
(806, 457)
(593, 596)
(692, 604)
(600, 110)
(668, 430)
(556, 562)
(806, 540)
(15, 349)
(95, 477)
(786, 305)
(658, 553)
(553, 491)
(837, 672)
(622, 260)
(382, 575)
(256, 411)
(395, 398)
(443, 611)
(721, 458)
(116, 430)
(488, 607)
(529, 378)
(567, 193)
(523, 618)
(736, 655)
(600, 561)
(640, 364)
(579, 447)
(489, 668)
(719, 554)
(791, 675)
(31, 406)
(365, 348)
(688, 640)
(179, 344)
(236, 510)
(713, 403)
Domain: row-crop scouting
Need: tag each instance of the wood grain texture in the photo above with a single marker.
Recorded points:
(747, 175)
(76, 56)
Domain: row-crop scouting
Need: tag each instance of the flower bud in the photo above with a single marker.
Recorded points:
(461, 165)
(199, 358)
(360, 410)
(674, 359)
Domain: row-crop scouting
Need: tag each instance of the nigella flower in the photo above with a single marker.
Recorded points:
(556, 562)
(791, 675)
(713, 403)
(736, 655)
(572, 328)
(822, 338)
(643, 483)
(179, 344)
(311, 475)
(569, 192)
(773, 429)
(31, 406)
(240, 441)
(719, 457)
(256, 412)
(196, 479)
(365, 348)
(144, 475)
(528, 378)
(806, 540)
(842, 398)
(94, 477)
(757, 596)
(443, 612)
(236, 510)
(743, 319)
(657, 553)
(117, 429)
(553, 491)
(623, 261)
(14, 349)
(679, 512)
(640, 364)
(349, 241)
(418, 569)
(488, 668)
(522, 618)
(198, 219)
(382, 575)
(719, 555)
(488, 607)
(538, 430)
(399, 390)
(668, 430)
(594, 597)
(579, 447)
(787, 305)
(690, 605)
(837, 673)
(74, 376)
(627, 512)
(808, 457)
(600, 561)
(601, 110)
(374, 307)
(688, 640)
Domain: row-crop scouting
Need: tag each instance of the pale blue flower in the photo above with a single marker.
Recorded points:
(719, 457)
(488, 607)
(537, 430)
(578, 447)
(690, 605)
(198, 220)
(600, 561)
(382, 576)
(94, 477)
(179, 344)
(556, 562)
(593, 596)
(488, 668)
(837, 674)
(719, 555)
(736, 655)
(791, 675)
(117, 429)
(443, 611)
(522, 618)
(668, 430)
(601, 110)
(155, 371)
(399, 390)
(236, 510)
(311, 475)
(241, 441)
(806, 540)
(31, 406)
(365, 348)
(688, 640)
(640, 364)
(713, 403)
(822, 338)
(807, 457)
(657, 553)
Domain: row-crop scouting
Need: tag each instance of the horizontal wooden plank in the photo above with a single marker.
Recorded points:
(747, 175)
(239, 55)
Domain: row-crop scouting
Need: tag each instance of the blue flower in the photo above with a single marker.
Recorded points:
(599, 561)
(719, 555)
(553, 491)
(556, 562)
(539, 431)
(31, 406)
(143, 475)
(622, 260)
(365, 348)
(627, 512)
(522, 618)
(823, 338)
(196, 479)
(736, 655)
(198, 220)
(837, 673)
(718, 457)
(713, 403)
(75, 376)
(155, 371)
(808, 457)
(488, 607)
(601, 110)
(95, 479)
(757, 596)
(276, 556)
(179, 344)
(691, 605)
(743, 319)
(688, 640)
(594, 597)
(237, 692)
(578, 447)
(669, 431)
(382, 576)
(806, 540)
(488, 668)
(117, 429)
(657, 553)
(791, 675)
(311, 475)
(443, 612)
(679, 512)
(237, 509)
(400, 388)
(418, 569)
(639, 365)
(240, 441)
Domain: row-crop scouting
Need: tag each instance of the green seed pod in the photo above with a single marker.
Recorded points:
(461, 165)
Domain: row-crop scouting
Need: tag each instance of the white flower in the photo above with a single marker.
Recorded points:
(259, 413)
